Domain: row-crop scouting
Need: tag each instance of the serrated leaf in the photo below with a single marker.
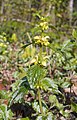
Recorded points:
(47, 83)
(35, 74)
(67, 46)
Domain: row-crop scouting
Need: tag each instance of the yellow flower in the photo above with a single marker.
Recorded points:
(4, 38)
(43, 40)
(2, 45)
(14, 37)
(44, 25)
(37, 37)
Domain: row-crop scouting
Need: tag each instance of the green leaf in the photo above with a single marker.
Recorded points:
(3, 94)
(74, 33)
(23, 118)
(40, 118)
(64, 113)
(74, 107)
(35, 74)
(47, 83)
(52, 99)
(36, 107)
(5, 114)
(65, 85)
(67, 46)
(48, 116)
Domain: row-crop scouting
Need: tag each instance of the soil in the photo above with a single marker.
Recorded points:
(22, 110)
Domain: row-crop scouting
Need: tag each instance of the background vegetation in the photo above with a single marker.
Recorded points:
(38, 60)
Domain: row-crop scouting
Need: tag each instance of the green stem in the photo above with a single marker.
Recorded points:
(40, 102)
(40, 55)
